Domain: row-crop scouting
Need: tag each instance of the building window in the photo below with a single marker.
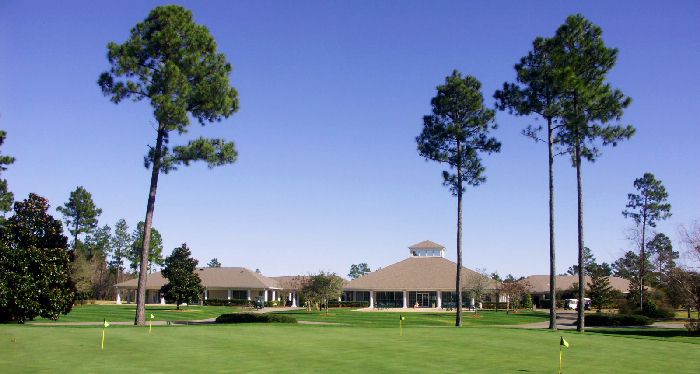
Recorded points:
(390, 299)
(239, 295)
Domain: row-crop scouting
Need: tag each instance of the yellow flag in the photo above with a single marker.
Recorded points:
(152, 317)
(105, 324)
(564, 342)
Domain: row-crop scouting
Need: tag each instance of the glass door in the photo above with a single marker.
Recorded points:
(423, 299)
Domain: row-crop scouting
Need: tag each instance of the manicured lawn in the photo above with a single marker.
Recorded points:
(305, 348)
(391, 319)
(125, 313)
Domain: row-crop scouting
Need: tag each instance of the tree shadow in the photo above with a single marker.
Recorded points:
(646, 332)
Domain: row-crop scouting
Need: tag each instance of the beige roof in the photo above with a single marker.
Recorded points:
(427, 244)
(417, 273)
(540, 283)
(290, 282)
(224, 277)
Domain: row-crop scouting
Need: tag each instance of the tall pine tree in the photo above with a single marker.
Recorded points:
(456, 133)
(80, 214)
(646, 207)
(6, 197)
(591, 108)
(173, 63)
(536, 93)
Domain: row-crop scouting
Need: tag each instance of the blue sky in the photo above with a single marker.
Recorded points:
(332, 95)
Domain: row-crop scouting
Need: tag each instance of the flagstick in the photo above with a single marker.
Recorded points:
(560, 356)
(400, 327)
(150, 323)
(103, 339)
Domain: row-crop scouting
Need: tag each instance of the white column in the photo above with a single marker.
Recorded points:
(294, 300)
(472, 303)
(371, 299)
(273, 296)
(405, 299)
(247, 294)
(265, 295)
(439, 299)
(228, 294)
(206, 294)
(162, 300)
(119, 297)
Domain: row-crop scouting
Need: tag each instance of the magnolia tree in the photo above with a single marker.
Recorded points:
(34, 264)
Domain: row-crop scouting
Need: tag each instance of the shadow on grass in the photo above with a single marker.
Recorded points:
(643, 332)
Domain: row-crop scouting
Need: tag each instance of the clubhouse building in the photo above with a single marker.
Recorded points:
(426, 279)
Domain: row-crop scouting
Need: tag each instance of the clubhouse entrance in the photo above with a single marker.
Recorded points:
(422, 299)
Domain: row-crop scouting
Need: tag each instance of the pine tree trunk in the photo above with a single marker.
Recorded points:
(641, 258)
(150, 207)
(552, 255)
(458, 282)
(581, 269)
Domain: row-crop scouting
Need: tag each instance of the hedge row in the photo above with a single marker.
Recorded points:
(601, 319)
(254, 318)
(225, 302)
(348, 304)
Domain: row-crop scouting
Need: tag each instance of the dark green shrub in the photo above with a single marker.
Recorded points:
(224, 302)
(652, 310)
(348, 304)
(255, 318)
(602, 319)
(491, 305)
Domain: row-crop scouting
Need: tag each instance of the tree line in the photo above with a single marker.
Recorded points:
(172, 62)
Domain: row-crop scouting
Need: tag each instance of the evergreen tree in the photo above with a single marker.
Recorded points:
(214, 263)
(600, 290)
(6, 197)
(358, 270)
(121, 246)
(457, 133)
(646, 207)
(662, 257)
(591, 108)
(172, 62)
(184, 285)
(98, 247)
(80, 213)
(34, 264)
(155, 255)
(537, 93)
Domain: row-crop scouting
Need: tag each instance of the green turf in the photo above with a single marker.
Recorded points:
(125, 313)
(305, 348)
(391, 319)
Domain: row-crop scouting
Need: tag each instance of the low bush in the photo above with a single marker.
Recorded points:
(602, 319)
(693, 328)
(225, 302)
(651, 309)
(255, 318)
(493, 305)
(348, 304)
